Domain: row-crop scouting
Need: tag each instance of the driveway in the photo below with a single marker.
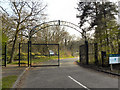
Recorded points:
(67, 75)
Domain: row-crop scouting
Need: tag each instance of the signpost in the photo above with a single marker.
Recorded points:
(114, 59)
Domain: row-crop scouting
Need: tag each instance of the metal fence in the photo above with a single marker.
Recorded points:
(23, 54)
(4, 54)
(90, 54)
(38, 54)
(44, 55)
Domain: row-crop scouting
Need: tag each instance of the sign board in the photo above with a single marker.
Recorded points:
(114, 58)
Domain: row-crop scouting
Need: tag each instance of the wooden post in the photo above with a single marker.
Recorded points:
(111, 67)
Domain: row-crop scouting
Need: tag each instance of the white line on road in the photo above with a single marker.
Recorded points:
(78, 83)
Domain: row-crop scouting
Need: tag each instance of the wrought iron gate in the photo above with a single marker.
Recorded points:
(44, 55)
(4, 54)
(39, 54)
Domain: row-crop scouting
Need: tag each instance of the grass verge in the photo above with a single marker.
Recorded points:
(7, 82)
(42, 59)
(66, 57)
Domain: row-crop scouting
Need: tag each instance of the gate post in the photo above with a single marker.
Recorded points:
(96, 53)
(5, 54)
(80, 54)
(86, 44)
(103, 55)
(119, 48)
(58, 56)
(19, 54)
(28, 54)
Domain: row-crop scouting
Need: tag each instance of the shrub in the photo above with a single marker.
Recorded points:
(32, 53)
(25, 54)
(37, 57)
(38, 53)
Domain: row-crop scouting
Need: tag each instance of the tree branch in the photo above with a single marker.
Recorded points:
(4, 10)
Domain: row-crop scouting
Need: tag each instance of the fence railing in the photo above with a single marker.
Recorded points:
(34, 54)
(90, 54)
(4, 55)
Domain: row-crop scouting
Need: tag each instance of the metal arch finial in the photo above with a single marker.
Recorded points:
(58, 22)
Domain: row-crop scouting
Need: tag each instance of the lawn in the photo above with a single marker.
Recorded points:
(64, 57)
(43, 59)
(40, 59)
(7, 82)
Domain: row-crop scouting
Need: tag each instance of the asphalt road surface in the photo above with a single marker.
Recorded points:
(68, 75)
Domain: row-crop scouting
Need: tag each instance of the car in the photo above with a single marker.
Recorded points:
(51, 52)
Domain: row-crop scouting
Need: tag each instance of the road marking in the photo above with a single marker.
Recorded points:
(78, 83)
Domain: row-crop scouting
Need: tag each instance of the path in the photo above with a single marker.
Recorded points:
(12, 70)
(68, 75)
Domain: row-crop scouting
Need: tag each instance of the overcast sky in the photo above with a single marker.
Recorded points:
(63, 10)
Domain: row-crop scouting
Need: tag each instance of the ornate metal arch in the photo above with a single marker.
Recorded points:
(53, 23)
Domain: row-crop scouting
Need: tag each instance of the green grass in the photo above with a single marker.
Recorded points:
(41, 59)
(64, 57)
(16, 62)
(49, 58)
(7, 82)
(78, 61)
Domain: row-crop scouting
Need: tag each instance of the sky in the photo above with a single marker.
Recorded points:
(63, 10)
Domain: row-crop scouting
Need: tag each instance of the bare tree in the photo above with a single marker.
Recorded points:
(24, 15)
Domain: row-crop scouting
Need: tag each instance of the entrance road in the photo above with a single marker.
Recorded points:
(67, 75)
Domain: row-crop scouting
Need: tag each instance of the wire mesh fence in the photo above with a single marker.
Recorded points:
(23, 54)
(4, 54)
(97, 54)
(44, 54)
(38, 54)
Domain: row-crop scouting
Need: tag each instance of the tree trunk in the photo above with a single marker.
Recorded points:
(13, 47)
